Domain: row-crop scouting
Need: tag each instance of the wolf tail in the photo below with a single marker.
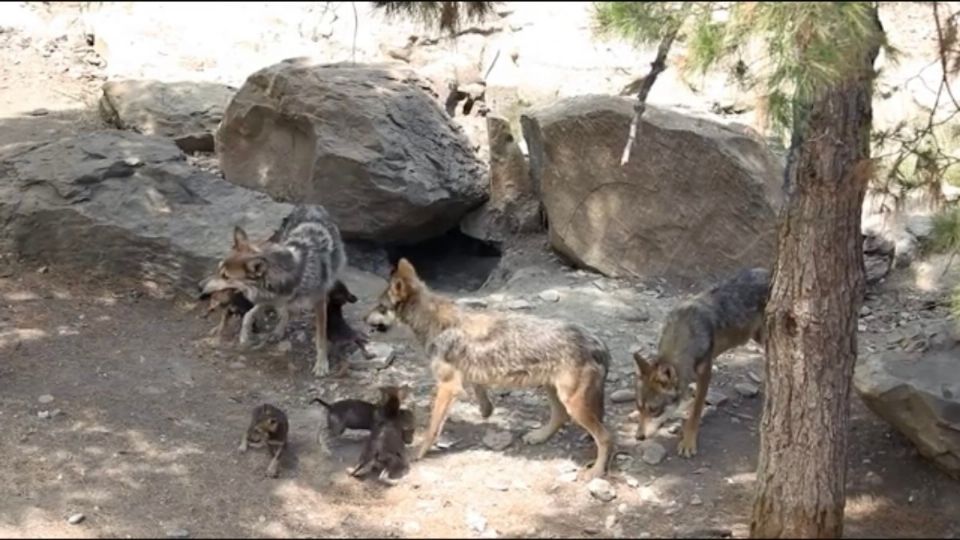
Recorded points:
(321, 402)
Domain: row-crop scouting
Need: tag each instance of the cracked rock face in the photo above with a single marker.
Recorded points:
(367, 142)
(697, 200)
(121, 204)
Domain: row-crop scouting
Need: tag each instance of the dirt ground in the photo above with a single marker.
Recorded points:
(115, 409)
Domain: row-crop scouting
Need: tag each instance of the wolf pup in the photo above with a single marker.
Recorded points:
(268, 427)
(293, 269)
(385, 449)
(231, 303)
(489, 348)
(358, 414)
(341, 335)
(695, 332)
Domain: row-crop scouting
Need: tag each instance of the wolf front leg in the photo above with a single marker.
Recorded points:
(688, 442)
(448, 386)
(321, 367)
(246, 327)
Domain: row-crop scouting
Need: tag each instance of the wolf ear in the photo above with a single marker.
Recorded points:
(257, 267)
(666, 374)
(405, 270)
(399, 287)
(642, 363)
(240, 240)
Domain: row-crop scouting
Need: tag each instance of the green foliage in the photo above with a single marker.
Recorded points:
(805, 47)
(445, 16)
(945, 236)
(643, 23)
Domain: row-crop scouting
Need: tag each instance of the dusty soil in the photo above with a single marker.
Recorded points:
(141, 434)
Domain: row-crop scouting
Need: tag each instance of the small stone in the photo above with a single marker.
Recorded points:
(610, 522)
(568, 477)
(653, 453)
(632, 482)
(178, 533)
(472, 302)
(496, 298)
(43, 269)
(624, 395)
(754, 377)
(475, 521)
(382, 354)
(602, 490)
(284, 346)
(46, 398)
(411, 527)
(133, 161)
(747, 390)
(75, 519)
(497, 440)
(237, 365)
(517, 305)
(43, 414)
(497, 485)
(550, 295)
(716, 398)
(696, 500)
(636, 315)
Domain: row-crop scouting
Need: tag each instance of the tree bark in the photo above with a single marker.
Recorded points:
(811, 317)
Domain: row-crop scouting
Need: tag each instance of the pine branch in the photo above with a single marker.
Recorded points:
(656, 68)
(942, 50)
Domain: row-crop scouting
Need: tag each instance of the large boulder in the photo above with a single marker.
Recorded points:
(120, 204)
(365, 141)
(697, 200)
(919, 394)
(187, 112)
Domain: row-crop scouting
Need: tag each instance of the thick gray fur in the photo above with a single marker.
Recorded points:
(723, 317)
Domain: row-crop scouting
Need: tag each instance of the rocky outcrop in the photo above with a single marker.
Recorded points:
(514, 205)
(919, 395)
(120, 204)
(187, 112)
(697, 199)
(365, 141)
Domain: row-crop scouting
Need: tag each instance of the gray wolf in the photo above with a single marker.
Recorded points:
(695, 332)
(358, 414)
(489, 348)
(385, 448)
(268, 427)
(294, 268)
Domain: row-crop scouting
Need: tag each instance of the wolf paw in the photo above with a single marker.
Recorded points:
(320, 368)
(589, 472)
(687, 447)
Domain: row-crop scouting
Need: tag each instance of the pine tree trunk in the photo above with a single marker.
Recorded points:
(811, 319)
